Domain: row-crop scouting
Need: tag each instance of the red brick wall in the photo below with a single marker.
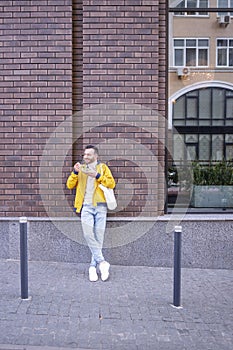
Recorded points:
(124, 76)
(106, 57)
(36, 95)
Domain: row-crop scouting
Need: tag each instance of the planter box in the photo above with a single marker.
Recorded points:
(212, 197)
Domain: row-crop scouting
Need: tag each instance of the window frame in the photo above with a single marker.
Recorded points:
(229, 5)
(192, 14)
(197, 49)
(195, 94)
(184, 128)
(228, 52)
(225, 145)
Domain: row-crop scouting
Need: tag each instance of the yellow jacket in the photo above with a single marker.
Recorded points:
(79, 181)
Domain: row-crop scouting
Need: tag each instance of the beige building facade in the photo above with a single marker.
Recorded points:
(201, 81)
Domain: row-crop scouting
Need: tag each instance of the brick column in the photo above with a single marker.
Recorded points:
(124, 96)
(36, 96)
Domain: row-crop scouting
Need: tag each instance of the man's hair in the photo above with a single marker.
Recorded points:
(93, 147)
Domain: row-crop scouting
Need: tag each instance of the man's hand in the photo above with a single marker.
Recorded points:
(77, 167)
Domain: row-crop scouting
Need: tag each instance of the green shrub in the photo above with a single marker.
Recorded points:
(213, 173)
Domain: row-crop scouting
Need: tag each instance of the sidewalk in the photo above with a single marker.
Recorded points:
(131, 311)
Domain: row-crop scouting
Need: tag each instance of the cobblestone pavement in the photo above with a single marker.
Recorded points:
(132, 310)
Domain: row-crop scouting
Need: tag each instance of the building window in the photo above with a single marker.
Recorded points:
(204, 121)
(225, 4)
(191, 52)
(224, 52)
(193, 4)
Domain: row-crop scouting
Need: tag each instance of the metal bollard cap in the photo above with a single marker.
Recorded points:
(178, 228)
(23, 219)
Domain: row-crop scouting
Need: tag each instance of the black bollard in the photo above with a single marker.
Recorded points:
(177, 266)
(23, 258)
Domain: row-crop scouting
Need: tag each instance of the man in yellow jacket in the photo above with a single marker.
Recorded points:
(90, 201)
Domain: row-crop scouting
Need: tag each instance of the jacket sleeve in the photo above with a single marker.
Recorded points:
(106, 177)
(72, 181)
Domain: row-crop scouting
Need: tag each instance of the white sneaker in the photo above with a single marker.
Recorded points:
(93, 277)
(104, 270)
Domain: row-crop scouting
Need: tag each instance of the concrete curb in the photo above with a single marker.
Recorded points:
(30, 347)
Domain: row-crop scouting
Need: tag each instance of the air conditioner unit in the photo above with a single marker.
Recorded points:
(224, 20)
(183, 72)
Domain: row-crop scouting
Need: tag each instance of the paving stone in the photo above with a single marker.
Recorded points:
(133, 310)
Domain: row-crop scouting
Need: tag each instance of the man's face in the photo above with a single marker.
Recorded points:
(90, 156)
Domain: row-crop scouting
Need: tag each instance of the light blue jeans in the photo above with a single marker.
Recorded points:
(93, 221)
